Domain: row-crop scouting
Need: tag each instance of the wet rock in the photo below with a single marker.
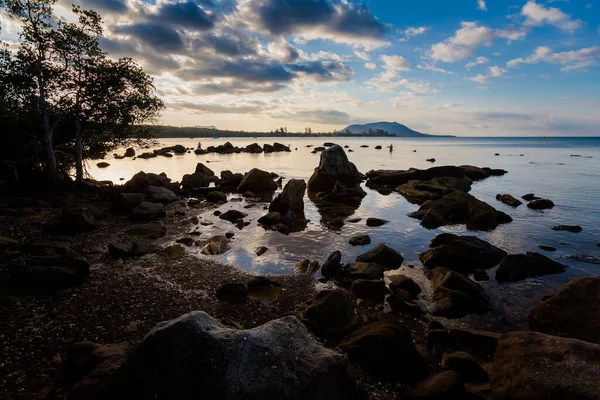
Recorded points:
(233, 215)
(403, 302)
(174, 251)
(281, 228)
(354, 220)
(402, 282)
(377, 147)
(386, 350)
(216, 197)
(432, 160)
(201, 177)
(232, 293)
(151, 230)
(517, 267)
(480, 275)
(461, 253)
(147, 155)
(418, 192)
(47, 266)
(376, 222)
(230, 180)
(186, 241)
(259, 251)
(333, 167)
(253, 148)
(455, 296)
(195, 354)
(103, 164)
(229, 235)
(270, 218)
(369, 290)
(509, 200)
(465, 365)
(162, 195)
(530, 197)
(249, 194)
(359, 270)
(330, 314)
(214, 246)
(547, 248)
(441, 386)
(400, 177)
(290, 205)
(433, 220)
(147, 211)
(571, 312)
(332, 265)
(257, 180)
(542, 204)
(306, 267)
(585, 258)
(383, 255)
(137, 184)
(535, 366)
(360, 240)
(280, 147)
(568, 228)
(124, 203)
(130, 152)
(71, 221)
(263, 289)
(8, 243)
(343, 194)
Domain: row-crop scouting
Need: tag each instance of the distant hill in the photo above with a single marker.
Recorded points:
(393, 128)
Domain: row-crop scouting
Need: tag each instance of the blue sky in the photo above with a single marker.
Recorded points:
(468, 67)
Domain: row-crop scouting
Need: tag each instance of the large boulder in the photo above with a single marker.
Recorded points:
(124, 203)
(359, 270)
(333, 167)
(71, 221)
(455, 295)
(571, 312)
(257, 181)
(47, 266)
(137, 184)
(290, 198)
(230, 180)
(443, 386)
(253, 148)
(201, 177)
(541, 204)
(419, 192)
(509, 200)
(330, 314)
(194, 356)
(383, 255)
(147, 211)
(535, 366)
(517, 267)
(367, 289)
(386, 350)
(461, 253)
(400, 177)
(332, 265)
(130, 152)
(157, 194)
(151, 230)
(465, 365)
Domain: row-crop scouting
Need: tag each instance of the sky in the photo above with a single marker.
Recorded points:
(462, 67)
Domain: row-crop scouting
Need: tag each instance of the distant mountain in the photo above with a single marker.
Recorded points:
(393, 128)
(206, 127)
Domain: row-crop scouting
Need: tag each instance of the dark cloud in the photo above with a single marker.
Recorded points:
(160, 37)
(112, 6)
(185, 15)
(324, 70)
(154, 62)
(235, 86)
(229, 43)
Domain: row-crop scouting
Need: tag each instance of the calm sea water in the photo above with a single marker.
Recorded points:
(565, 170)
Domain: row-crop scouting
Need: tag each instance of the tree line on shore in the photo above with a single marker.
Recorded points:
(62, 98)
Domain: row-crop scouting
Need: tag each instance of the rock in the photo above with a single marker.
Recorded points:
(270, 218)
(103, 164)
(137, 184)
(249, 194)
(174, 251)
(401, 301)
(334, 167)
(134, 249)
(441, 386)
(418, 192)
(360, 240)
(530, 197)
(455, 295)
(162, 195)
(281, 228)
(482, 342)
(375, 222)
(377, 147)
(8, 243)
(257, 180)
(404, 283)
(233, 215)
(306, 267)
(432, 160)
(147, 155)
(343, 194)
(263, 289)
(571, 312)
(541, 204)
(400, 177)
(253, 148)
(585, 258)
(201, 177)
(535, 366)
(47, 266)
(229, 235)
(330, 314)
(517, 267)
(332, 265)
(383, 255)
(461, 253)
(124, 203)
(568, 228)
(130, 152)
(147, 211)
(480, 275)
(547, 248)
(508, 199)
(259, 251)
(369, 290)
(359, 270)
(194, 354)
(72, 221)
(216, 197)
(280, 147)
(291, 198)
(465, 365)
(214, 246)
(385, 349)
(232, 292)
(89, 368)
(364, 145)
(151, 230)
(186, 241)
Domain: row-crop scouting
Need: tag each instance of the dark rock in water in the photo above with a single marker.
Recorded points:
(385, 349)
(431, 160)
(201, 177)
(147, 211)
(364, 145)
(359, 270)
(270, 218)
(151, 230)
(333, 167)
(261, 250)
(330, 314)
(480, 275)
(130, 152)
(72, 221)
(124, 203)
(290, 203)
(455, 295)
(177, 149)
(534, 366)
(419, 192)
(156, 194)
(400, 177)
(194, 356)
(369, 290)
(354, 220)
(253, 148)
(332, 265)
(383, 255)
(131, 249)
(281, 228)
(147, 155)
(360, 240)
(441, 386)
(47, 266)
(404, 283)
(342, 194)
(517, 267)
(433, 220)
(249, 194)
(568, 228)
(138, 183)
(230, 180)
(216, 197)
(547, 248)
(461, 253)
(229, 235)
(328, 144)
(571, 312)
(306, 267)
(530, 197)
(376, 222)
(8, 243)
(465, 365)
(377, 147)
(542, 204)
(89, 368)
(233, 215)
(401, 301)
(263, 289)
(508, 199)
(257, 181)
(280, 147)
(232, 292)
(103, 164)
(214, 246)
(186, 241)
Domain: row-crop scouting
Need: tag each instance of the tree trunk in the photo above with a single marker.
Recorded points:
(78, 153)
(49, 157)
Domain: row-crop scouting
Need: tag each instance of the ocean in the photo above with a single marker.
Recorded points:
(564, 170)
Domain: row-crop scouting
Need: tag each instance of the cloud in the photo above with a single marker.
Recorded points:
(481, 5)
(370, 65)
(186, 15)
(479, 78)
(110, 6)
(571, 60)
(408, 100)
(448, 105)
(478, 61)
(362, 55)
(251, 107)
(493, 72)
(538, 15)
(316, 115)
(430, 67)
(412, 32)
(159, 37)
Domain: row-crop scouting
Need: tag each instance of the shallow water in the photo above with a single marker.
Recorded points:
(544, 166)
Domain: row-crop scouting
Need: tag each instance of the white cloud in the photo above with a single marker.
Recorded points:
(571, 60)
(362, 55)
(408, 100)
(370, 65)
(538, 15)
(412, 32)
(496, 72)
(478, 61)
(493, 72)
(430, 67)
(481, 5)
(448, 105)
(480, 78)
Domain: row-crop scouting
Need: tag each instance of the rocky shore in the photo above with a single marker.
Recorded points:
(108, 293)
